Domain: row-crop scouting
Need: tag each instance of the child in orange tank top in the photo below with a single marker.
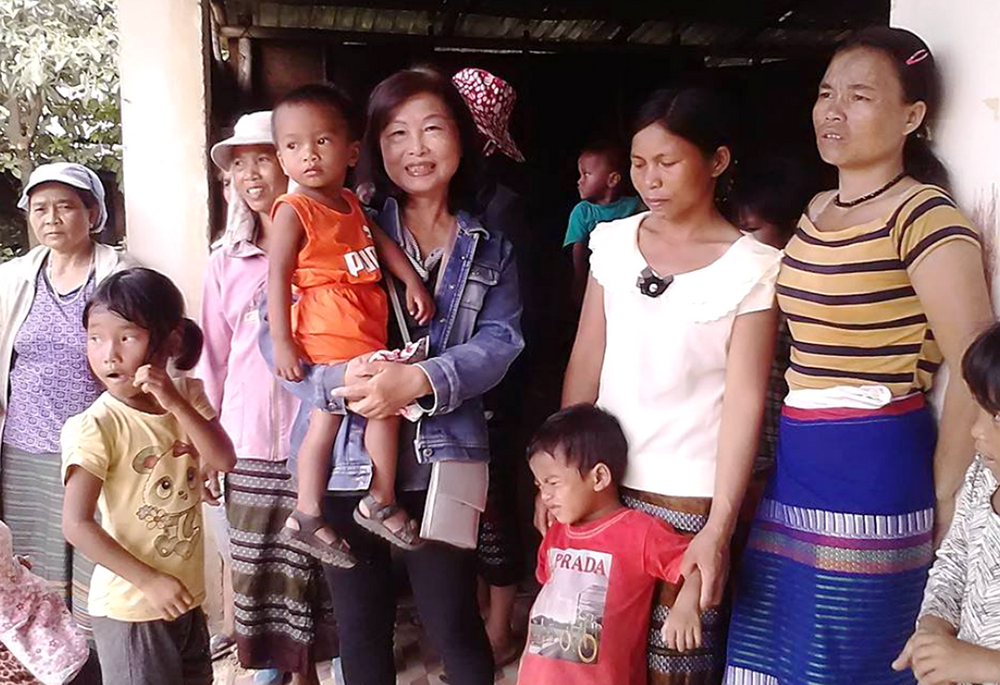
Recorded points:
(325, 247)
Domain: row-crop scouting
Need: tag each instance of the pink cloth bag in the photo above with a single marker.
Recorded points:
(35, 624)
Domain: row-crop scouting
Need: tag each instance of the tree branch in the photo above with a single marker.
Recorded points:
(34, 115)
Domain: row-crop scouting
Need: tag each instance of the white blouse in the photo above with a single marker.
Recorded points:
(964, 584)
(665, 357)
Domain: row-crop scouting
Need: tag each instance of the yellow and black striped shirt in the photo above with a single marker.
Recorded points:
(853, 314)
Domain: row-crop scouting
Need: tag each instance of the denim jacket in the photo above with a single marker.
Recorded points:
(474, 338)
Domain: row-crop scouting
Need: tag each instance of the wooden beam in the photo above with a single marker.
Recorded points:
(219, 12)
(244, 65)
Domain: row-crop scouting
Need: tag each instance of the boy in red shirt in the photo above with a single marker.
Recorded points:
(599, 563)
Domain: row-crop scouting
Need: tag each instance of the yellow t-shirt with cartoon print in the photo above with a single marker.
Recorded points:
(151, 500)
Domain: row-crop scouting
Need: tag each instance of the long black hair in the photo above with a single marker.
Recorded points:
(387, 97)
(698, 115)
(151, 301)
(921, 82)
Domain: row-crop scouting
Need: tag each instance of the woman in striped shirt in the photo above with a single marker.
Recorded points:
(881, 285)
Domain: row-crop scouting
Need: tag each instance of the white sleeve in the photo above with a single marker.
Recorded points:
(761, 295)
(613, 256)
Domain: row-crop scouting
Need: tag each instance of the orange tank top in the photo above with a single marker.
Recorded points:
(339, 249)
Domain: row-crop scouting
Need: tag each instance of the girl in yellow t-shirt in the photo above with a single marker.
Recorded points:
(138, 453)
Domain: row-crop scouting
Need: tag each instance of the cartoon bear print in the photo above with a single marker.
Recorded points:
(170, 504)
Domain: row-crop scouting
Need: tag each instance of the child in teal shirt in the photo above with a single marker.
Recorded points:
(603, 171)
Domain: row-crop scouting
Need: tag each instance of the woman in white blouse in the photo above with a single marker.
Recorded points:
(675, 339)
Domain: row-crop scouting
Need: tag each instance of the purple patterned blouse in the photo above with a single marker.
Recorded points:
(50, 380)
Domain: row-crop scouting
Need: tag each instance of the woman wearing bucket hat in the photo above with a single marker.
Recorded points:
(43, 362)
(284, 617)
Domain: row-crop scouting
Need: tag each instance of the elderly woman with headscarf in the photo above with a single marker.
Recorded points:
(284, 618)
(43, 362)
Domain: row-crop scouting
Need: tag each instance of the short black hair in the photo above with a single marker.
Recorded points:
(775, 188)
(981, 369)
(584, 436)
(322, 95)
(612, 151)
(391, 94)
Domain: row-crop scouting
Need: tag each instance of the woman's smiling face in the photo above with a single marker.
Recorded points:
(421, 148)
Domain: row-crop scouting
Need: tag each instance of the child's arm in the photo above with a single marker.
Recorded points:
(164, 592)
(285, 240)
(942, 606)
(682, 629)
(208, 436)
(419, 302)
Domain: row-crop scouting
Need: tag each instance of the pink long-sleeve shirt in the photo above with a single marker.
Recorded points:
(253, 408)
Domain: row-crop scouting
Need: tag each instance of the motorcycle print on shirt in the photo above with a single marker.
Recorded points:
(568, 616)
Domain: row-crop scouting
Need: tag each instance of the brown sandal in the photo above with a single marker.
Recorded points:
(407, 537)
(305, 540)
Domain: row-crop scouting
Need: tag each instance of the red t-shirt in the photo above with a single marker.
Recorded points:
(589, 622)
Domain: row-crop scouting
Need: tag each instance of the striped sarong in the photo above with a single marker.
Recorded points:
(284, 617)
(831, 583)
(667, 667)
(32, 497)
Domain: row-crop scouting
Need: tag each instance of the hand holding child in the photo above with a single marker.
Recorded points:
(681, 631)
(419, 302)
(286, 361)
(709, 555)
(154, 381)
(167, 595)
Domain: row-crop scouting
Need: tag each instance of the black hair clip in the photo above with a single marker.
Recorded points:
(651, 285)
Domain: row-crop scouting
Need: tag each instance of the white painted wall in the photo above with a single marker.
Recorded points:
(964, 36)
(164, 115)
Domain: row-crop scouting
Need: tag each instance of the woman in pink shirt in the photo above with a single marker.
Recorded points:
(284, 620)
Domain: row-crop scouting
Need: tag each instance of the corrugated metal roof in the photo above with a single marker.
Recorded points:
(774, 23)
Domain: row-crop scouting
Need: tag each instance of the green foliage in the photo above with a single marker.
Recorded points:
(58, 84)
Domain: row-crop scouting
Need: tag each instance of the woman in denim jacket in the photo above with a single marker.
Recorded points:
(419, 151)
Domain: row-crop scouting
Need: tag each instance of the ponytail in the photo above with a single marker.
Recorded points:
(920, 162)
(189, 350)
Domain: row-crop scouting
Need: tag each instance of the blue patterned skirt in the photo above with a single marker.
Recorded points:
(835, 568)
